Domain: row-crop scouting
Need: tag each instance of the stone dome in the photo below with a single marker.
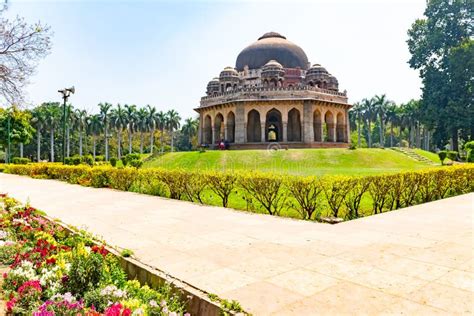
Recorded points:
(272, 46)
(228, 72)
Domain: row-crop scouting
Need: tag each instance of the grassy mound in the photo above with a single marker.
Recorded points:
(293, 161)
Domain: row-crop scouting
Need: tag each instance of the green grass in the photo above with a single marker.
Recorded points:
(293, 161)
(428, 154)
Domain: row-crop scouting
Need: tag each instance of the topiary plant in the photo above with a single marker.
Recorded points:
(442, 156)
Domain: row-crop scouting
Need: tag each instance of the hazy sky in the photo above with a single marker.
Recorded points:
(164, 53)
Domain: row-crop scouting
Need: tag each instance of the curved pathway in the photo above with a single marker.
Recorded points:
(417, 260)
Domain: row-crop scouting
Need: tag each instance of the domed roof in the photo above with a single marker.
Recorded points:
(273, 63)
(270, 46)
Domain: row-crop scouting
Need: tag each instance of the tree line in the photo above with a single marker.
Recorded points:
(380, 122)
(112, 132)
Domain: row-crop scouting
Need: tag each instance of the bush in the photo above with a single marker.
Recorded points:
(113, 161)
(469, 145)
(442, 156)
(470, 155)
(88, 160)
(306, 193)
(99, 158)
(452, 155)
(20, 161)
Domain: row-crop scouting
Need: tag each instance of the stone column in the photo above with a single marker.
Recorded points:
(348, 128)
(308, 132)
(334, 132)
(225, 132)
(200, 131)
(285, 131)
(213, 129)
(240, 124)
(262, 136)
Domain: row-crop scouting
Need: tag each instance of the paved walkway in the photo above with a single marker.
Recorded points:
(412, 261)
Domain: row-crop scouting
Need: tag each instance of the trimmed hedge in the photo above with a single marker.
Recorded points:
(275, 194)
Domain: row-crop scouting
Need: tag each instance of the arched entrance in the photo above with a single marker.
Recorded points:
(317, 126)
(294, 126)
(219, 127)
(207, 130)
(273, 126)
(329, 127)
(231, 127)
(254, 129)
(340, 128)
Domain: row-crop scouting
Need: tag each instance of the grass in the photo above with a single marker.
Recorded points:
(428, 154)
(293, 161)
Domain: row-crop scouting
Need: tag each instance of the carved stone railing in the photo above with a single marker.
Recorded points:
(261, 93)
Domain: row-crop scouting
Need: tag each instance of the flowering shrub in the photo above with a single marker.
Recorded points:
(56, 273)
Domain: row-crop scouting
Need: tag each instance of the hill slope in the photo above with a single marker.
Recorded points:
(293, 161)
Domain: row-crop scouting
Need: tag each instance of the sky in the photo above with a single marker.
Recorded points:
(163, 53)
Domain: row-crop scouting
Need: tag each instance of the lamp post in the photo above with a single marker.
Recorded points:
(66, 94)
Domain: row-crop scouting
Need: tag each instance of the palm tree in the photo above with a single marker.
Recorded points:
(142, 123)
(81, 118)
(52, 114)
(70, 122)
(38, 120)
(104, 111)
(173, 123)
(358, 110)
(131, 115)
(151, 121)
(94, 127)
(381, 105)
(392, 117)
(369, 112)
(189, 128)
(162, 120)
(119, 121)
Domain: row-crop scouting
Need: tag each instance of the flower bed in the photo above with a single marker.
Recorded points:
(53, 272)
(275, 194)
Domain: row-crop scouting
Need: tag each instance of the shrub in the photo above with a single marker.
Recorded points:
(113, 161)
(194, 187)
(99, 158)
(136, 163)
(20, 161)
(175, 181)
(442, 156)
(379, 190)
(88, 160)
(266, 189)
(358, 187)
(470, 155)
(306, 193)
(335, 189)
(469, 145)
(453, 155)
(222, 184)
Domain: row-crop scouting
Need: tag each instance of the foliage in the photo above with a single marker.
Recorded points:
(57, 272)
(113, 161)
(276, 194)
(20, 161)
(21, 130)
(442, 154)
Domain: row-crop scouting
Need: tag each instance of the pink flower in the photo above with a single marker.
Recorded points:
(11, 304)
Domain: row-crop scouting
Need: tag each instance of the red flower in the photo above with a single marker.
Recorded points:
(126, 312)
(11, 304)
(51, 260)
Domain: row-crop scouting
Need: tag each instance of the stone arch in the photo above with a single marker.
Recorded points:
(254, 127)
(340, 128)
(207, 130)
(329, 127)
(228, 86)
(273, 83)
(219, 127)
(311, 83)
(231, 127)
(273, 122)
(318, 126)
(294, 126)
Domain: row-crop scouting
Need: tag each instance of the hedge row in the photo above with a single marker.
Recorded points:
(308, 197)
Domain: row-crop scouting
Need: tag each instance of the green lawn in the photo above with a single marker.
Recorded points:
(293, 161)
(428, 154)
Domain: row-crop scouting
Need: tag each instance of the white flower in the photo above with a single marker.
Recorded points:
(153, 303)
(138, 312)
(3, 234)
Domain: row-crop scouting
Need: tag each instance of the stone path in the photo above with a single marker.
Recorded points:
(413, 261)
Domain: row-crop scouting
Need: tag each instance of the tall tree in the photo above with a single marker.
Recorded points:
(22, 45)
(14, 125)
(119, 121)
(104, 113)
(162, 120)
(431, 42)
(189, 130)
(38, 120)
(81, 123)
(369, 113)
(142, 124)
(53, 117)
(131, 114)
(152, 122)
(94, 127)
(173, 120)
(381, 105)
